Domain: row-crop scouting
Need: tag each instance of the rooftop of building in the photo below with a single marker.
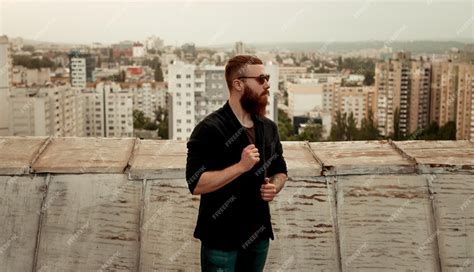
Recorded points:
(83, 204)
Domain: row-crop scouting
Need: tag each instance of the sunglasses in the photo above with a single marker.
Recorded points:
(260, 79)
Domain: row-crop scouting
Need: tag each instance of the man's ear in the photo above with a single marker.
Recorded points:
(238, 85)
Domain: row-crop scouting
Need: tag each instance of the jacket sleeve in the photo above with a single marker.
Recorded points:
(277, 163)
(198, 155)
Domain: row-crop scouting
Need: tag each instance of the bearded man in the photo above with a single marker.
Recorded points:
(235, 163)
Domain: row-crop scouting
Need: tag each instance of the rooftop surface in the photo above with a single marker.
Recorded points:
(122, 204)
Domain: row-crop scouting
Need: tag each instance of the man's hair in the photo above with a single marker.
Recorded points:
(237, 66)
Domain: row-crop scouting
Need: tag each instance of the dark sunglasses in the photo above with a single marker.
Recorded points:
(260, 79)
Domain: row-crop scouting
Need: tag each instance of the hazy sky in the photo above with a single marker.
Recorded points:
(211, 23)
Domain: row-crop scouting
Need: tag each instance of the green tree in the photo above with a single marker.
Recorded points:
(139, 119)
(161, 117)
(396, 135)
(338, 128)
(312, 132)
(369, 78)
(434, 132)
(351, 128)
(285, 128)
(33, 63)
(158, 74)
(29, 48)
(368, 128)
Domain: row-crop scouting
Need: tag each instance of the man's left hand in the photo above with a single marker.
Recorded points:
(268, 190)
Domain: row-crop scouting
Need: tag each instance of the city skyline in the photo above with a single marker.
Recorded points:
(196, 21)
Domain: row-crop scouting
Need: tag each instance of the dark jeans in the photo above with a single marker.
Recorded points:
(252, 258)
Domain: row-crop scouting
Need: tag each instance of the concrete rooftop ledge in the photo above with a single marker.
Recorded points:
(122, 204)
(156, 159)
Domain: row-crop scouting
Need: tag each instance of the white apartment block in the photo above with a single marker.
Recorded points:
(108, 111)
(78, 72)
(182, 85)
(48, 111)
(306, 98)
(195, 92)
(5, 83)
(148, 98)
(138, 50)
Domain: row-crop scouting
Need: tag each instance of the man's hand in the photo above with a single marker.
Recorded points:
(268, 190)
(249, 157)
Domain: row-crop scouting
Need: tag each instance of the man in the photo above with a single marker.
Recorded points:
(235, 162)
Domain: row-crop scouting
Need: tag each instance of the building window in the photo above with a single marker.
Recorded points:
(188, 76)
(178, 76)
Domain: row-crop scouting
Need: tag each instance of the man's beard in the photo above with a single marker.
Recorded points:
(253, 103)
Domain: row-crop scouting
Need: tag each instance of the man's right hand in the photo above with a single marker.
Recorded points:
(249, 157)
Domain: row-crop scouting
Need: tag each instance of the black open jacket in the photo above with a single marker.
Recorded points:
(228, 216)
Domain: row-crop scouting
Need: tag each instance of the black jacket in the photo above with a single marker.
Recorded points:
(228, 216)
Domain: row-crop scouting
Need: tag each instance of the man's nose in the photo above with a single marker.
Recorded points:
(266, 85)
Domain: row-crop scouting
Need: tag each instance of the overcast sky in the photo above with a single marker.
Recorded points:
(211, 23)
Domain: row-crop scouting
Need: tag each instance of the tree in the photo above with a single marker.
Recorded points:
(368, 129)
(338, 128)
(396, 125)
(284, 125)
(312, 132)
(122, 76)
(161, 117)
(29, 48)
(33, 63)
(139, 119)
(434, 132)
(351, 128)
(369, 78)
(278, 59)
(158, 74)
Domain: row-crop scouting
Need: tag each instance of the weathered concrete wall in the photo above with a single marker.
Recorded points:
(382, 206)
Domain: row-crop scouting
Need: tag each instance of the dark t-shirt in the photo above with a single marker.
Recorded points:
(255, 226)
(251, 134)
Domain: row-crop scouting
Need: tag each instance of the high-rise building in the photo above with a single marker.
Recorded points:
(358, 100)
(195, 91)
(403, 87)
(239, 48)
(154, 43)
(48, 111)
(464, 118)
(147, 97)
(81, 68)
(452, 98)
(138, 50)
(5, 83)
(108, 111)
